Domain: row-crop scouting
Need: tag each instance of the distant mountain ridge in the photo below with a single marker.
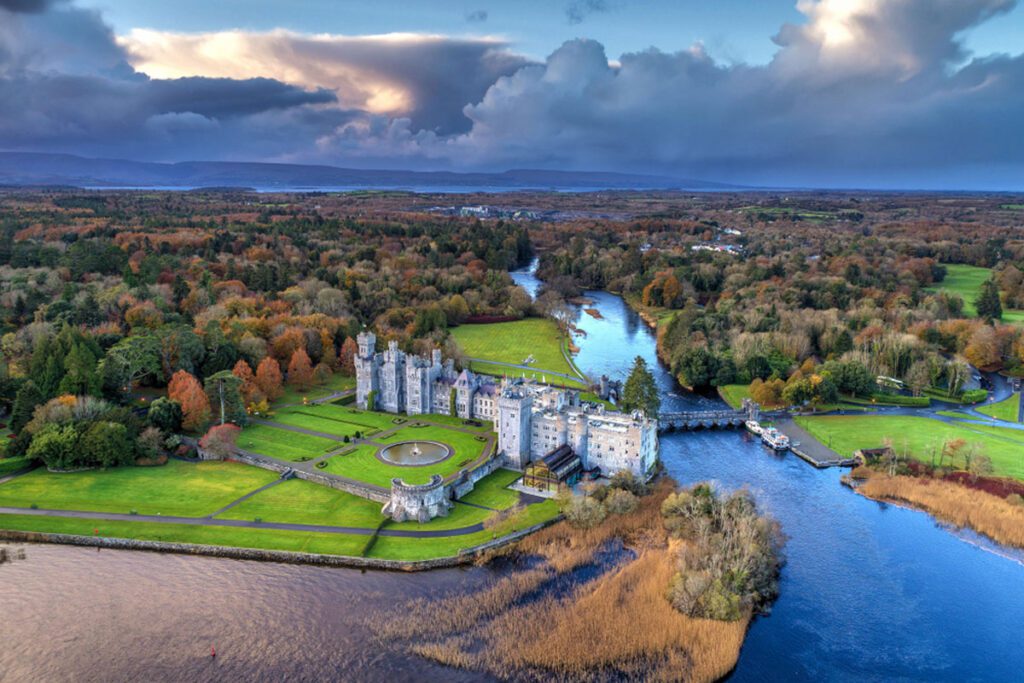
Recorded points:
(23, 169)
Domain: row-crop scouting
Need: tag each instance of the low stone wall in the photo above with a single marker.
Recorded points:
(467, 479)
(353, 487)
(259, 555)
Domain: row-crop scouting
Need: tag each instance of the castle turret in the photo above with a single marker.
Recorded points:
(367, 363)
(513, 424)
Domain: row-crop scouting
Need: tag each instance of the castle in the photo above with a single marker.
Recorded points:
(532, 421)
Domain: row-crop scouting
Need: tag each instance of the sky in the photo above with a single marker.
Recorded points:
(914, 94)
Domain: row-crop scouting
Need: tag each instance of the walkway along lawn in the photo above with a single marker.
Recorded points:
(176, 489)
(301, 502)
(848, 433)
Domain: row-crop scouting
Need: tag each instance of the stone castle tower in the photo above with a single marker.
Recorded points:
(514, 410)
(367, 363)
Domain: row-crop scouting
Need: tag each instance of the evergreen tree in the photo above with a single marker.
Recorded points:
(988, 304)
(165, 414)
(224, 391)
(641, 392)
(80, 376)
(25, 402)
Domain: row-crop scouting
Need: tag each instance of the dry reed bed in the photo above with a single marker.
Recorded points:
(989, 515)
(619, 625)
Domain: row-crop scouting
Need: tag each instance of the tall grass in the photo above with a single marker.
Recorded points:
(990, 515)
(548, 621)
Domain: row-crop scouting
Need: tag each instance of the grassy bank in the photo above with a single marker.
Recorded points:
(966, 281)
(918, 436)
(1006, 410)
(989, 515)
(512, 343)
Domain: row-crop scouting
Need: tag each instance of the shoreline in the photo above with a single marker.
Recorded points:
(267, 555)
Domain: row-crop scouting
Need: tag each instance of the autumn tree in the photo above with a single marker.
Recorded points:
(268, 378)
(300, 370)
(249, 389)
(346, 359)
(220, 440)
(188, 392)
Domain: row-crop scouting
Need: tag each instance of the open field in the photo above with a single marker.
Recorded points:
(301, 502)
(733, 394)
(284, 444)
(966, 281)
(512, 343)
(918, 434)
(177, 488)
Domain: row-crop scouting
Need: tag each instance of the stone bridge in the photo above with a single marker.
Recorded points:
(709, 419)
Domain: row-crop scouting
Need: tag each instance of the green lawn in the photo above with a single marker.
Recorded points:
(958, 416)
(8, 465)
(317, 421)
(284, 444)
(498, 370)
(1007, 409)
(363, 465)
(966, 281)
(244, 537)
(336, 464)
(848, 433)
(334, 384)
(425, 548)
(512, 343)
(177, 488)
(491, 491)
(733, 394)
(301, 502)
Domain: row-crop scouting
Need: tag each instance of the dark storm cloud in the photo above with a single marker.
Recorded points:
(27, 6)
(477, 17)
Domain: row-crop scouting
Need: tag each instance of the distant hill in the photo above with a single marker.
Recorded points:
(33, 169)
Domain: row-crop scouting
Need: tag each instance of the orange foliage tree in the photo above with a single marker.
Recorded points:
(195, 406)
(220, 440)
(300, 370)
(347, 357)
(250, 390)
(268, 378)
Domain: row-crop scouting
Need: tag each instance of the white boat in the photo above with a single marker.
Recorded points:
(775, 439)
(753, 426)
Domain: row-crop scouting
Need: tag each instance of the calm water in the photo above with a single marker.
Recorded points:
(870, 592)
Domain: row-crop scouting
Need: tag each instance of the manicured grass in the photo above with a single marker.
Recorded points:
(733, 394)
(284, 444)
(177, 488)
(317, 422)
(336, 464)
(513, 342)
(9, 465)
(498, 370)
(362, 418)
(244, 537)
(1007, 409)
(467, 446)
(449, 421)
(425, 548)
(848, 433)
(491, 491)
(301, 502)
(335, 384)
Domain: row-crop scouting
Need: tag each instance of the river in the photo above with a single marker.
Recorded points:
(869, 592)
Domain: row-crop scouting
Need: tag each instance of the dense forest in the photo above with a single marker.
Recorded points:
(103, 296)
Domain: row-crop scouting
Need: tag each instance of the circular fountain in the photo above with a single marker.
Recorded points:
(414, 453)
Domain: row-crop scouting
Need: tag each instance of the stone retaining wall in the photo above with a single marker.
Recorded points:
(285, 556)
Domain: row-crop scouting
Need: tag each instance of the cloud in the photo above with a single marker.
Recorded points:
(578, 10)
(860, 93)
(477, 16)
(425, 78)
(26, 6)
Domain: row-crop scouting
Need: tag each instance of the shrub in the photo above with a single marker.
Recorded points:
(620, 502)
(585, 512)
(1015, 499)
(973, 396)
(627, 481)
